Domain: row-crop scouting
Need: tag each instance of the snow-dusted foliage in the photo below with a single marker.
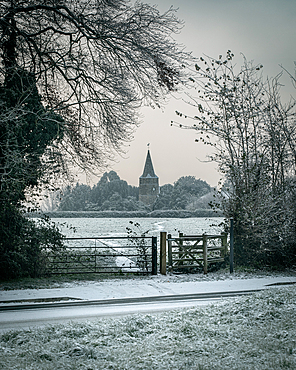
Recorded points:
(251, 128)
(250, 332)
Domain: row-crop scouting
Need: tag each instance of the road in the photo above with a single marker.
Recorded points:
(26, 315)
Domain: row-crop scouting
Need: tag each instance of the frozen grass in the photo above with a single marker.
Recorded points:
(61, 281)
(250, 332)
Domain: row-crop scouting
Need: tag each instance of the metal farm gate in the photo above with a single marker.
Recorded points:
(105, 255)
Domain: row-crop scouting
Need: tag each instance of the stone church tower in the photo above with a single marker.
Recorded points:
(148, 183)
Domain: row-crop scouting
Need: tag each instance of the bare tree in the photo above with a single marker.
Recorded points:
(240, 114)
(93, 63)
(73, 74)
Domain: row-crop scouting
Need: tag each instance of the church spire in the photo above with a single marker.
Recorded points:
(148, 168)
(148, 183)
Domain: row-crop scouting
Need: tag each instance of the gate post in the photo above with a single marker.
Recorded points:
(224, 243)
(162, 260)
(170, 256)
(205, 253)
(95, 255)
(180, 248)
(231, 246)
(154, 255)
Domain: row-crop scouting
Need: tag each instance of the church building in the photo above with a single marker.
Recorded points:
(148, 183)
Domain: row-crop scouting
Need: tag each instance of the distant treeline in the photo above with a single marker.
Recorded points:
(132, 214)
(112, 194)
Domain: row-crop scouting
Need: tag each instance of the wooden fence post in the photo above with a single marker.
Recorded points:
(170, 256)
(224, 243)
(181, 252)
(95, 255)
(163, 253)
(231, 246)
(205, 253)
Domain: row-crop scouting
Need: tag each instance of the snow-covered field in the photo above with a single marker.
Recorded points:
(90, 227)
(250, 332)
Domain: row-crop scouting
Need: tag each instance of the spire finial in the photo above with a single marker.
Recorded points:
(148, 145)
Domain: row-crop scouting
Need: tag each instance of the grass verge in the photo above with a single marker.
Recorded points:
(248, 332)
(59, 281)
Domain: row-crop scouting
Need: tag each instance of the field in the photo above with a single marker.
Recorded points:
(249, 332)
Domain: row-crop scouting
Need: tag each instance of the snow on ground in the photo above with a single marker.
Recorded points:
(249, 332)
(151, 286)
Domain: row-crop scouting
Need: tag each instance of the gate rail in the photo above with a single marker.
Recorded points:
(97, 255)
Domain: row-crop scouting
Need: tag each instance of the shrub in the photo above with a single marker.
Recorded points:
(23, 243)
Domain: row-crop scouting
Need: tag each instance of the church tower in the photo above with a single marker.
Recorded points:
(148, 183)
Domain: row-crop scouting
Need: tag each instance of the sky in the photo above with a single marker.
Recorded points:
(263, 30)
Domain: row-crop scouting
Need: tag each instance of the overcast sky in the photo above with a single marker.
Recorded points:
(263, 30)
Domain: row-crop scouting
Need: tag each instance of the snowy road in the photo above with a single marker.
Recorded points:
(28, 315)
(25, 308)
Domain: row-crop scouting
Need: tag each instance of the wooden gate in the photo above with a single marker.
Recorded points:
(189, 252)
